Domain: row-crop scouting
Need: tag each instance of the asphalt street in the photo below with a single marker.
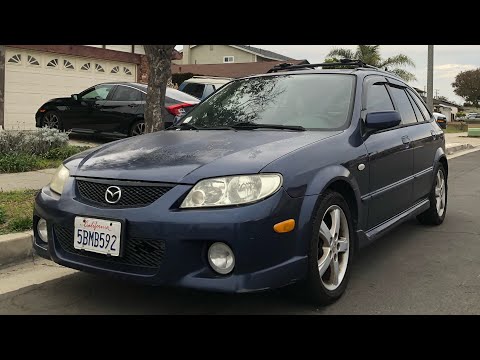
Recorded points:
(413, 270)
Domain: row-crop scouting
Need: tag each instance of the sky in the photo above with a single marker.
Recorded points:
(449, 60)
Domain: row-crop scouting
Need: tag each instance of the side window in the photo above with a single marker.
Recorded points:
(418, 113)
(403, 104)
(194, 89)
(421, 105)
(100, 92)
(209, 89)
(124, 93)
(378, 98)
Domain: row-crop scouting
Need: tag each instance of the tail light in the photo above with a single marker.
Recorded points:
(178, 109)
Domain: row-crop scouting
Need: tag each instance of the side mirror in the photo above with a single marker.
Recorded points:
(74, 96)
(383, 120)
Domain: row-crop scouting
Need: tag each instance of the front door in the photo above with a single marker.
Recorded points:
(85, 112)
(390, 160)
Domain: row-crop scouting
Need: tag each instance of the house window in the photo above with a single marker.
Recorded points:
(228, 59)
(15, 59)
(127, 71)
(115, 70)
(52, 63)
(68, 65)
(32, 61)
(85, 67)
(99, 68)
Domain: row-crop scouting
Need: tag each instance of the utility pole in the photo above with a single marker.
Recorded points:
(430, 78)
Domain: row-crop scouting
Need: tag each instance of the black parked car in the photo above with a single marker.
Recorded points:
(111, 109)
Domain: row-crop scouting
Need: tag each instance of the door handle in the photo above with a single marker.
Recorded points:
(406, 140)
(133, 105)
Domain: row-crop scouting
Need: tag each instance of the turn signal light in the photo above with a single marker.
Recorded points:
(284, 226)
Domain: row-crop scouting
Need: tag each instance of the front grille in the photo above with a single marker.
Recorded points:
(132, 195)
(136, 251)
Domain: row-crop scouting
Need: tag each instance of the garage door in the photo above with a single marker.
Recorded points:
(32, 78)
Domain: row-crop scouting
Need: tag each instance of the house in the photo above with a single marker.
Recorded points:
(223, 54)
(230, 70)
(442, 106)
(33, 74)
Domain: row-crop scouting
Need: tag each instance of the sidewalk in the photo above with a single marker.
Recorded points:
(37, 179)
(26, 180)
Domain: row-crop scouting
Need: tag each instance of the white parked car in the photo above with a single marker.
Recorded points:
(441, 120)
(202, 86)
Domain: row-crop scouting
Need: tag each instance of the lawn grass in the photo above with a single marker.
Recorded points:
(451, 130)
(16, 209)
(11, 163)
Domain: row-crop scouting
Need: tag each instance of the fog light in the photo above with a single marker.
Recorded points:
(42, 230)
(221, 258)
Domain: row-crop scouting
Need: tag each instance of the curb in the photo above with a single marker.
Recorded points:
(457, 147)
(15, 248)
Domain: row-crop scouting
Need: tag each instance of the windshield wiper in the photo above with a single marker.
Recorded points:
(183, 126)
(250, 125)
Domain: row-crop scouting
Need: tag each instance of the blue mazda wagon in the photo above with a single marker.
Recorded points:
(274, 179)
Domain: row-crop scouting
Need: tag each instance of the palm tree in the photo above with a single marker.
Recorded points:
(370, 54)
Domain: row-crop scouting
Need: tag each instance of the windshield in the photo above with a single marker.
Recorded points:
(313, 101)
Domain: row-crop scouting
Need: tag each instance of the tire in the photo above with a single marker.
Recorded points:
(325, 288)
(137, 128)
(52, 120)
(438, 199)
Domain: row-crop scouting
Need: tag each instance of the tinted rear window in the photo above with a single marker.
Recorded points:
(314, 101)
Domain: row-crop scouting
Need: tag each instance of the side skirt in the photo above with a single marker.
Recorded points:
(366, 238)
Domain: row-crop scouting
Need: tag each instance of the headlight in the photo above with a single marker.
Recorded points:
(59, 179)
(232, 190)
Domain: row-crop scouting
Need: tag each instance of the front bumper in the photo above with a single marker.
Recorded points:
(180, 239)
(38, 118)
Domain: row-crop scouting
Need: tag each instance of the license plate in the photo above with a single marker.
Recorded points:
(97, 235)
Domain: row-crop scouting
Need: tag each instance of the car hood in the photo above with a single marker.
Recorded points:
(187, 156)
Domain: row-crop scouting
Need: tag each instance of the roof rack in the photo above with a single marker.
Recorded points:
(342, 62)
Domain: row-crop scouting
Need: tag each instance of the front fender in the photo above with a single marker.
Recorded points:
(319, 183)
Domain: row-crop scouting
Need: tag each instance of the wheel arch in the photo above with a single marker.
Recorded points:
(339, 179)
(441, 157)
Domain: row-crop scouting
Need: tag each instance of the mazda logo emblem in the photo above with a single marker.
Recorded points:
(113, 194)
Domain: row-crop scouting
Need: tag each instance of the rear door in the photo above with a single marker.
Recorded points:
(390, 159)
(121, 109)
(427, 137)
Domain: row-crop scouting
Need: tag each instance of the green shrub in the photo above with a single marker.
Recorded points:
(36, 142)
(21, 224)
(179, 78)
(18, 163)
(64, 152)
(3, 216)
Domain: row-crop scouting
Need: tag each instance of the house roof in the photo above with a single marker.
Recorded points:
(257, 51)
(261, 52)
(231, 70)
(177, 55)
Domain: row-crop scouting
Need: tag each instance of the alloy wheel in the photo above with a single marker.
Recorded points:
(138, 129)
(333, 248)
(51, 121)
(440, 194)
